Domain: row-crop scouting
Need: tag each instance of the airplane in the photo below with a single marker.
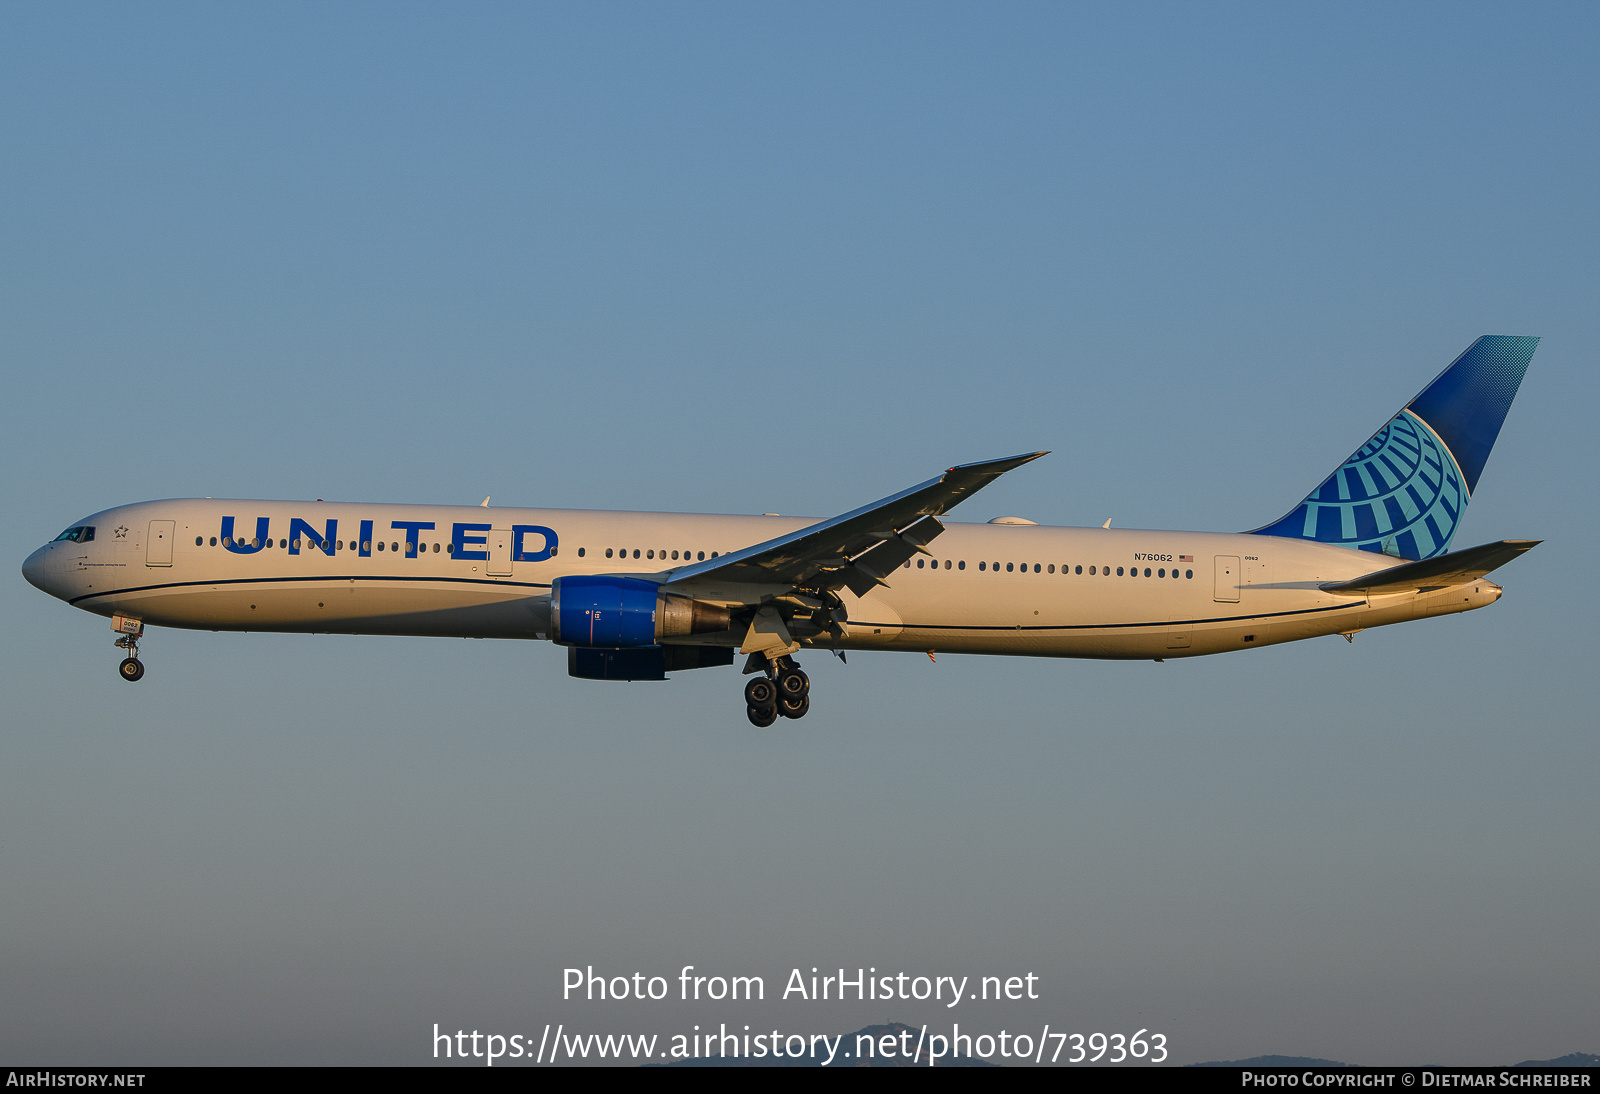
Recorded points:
(636, 595)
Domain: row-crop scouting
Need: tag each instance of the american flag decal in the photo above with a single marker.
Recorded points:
(1185, 558)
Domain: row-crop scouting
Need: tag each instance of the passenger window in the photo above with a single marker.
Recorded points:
(580, 552)
(947, 564)
(1091, 571)
(1147, 571)
(702, 556)
(198, 540)
(983, 565)
(435, 548)
(647, 554)
(1161, 573)
(1052, 568)
(1080, 569)
(1036, 567)
(1189, 574)
(1119, 571)
(920, 564)
(674, 556)
(608, 552)
(381, 545)
(962, 565)
(636, 552)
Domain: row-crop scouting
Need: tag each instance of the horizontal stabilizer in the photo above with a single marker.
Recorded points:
(1456, 568)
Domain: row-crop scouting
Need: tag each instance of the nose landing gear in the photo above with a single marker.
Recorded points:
(128, 634)
(784, 690)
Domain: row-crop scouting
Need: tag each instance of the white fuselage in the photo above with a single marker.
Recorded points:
(480, 572)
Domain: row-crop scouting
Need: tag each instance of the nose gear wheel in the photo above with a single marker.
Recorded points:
(131, 669)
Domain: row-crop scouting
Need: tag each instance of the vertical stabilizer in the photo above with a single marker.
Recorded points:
(1403, 493)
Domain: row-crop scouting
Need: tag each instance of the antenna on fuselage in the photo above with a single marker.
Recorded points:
(485, 502)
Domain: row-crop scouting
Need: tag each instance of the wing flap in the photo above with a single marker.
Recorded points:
(1456, 568)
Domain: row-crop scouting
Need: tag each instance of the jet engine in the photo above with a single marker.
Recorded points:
(626, 612)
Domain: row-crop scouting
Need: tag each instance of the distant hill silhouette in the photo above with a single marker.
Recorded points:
(1572, 1059)
(894, 1029)
(1272, 1061)
(847, 1045)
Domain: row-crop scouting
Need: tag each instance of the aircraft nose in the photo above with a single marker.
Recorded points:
(33, 568)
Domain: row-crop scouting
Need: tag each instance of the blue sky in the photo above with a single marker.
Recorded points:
(760, 258)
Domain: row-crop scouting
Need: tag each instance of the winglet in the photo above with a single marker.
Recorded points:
(992, 468)
(968, 478)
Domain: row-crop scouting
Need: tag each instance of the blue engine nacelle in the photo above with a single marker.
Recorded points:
(615, 612)
(610, 612)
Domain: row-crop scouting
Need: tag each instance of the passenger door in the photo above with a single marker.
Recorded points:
(158, 543)
(499, 564)
(1226, 590)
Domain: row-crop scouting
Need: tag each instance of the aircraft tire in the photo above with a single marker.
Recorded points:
(794, 685)
(794, 708)
(761, 717)
(760, 692)
(131, 669)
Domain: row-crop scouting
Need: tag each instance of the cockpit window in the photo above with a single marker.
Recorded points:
(82, 534)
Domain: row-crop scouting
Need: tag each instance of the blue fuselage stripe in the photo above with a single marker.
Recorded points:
(317, 580)
(1105, 626)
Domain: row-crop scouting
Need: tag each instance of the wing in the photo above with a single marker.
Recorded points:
(1456, 568)
(856, 550)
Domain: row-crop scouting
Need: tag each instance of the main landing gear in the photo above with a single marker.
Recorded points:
(783, 690)
(128, 634)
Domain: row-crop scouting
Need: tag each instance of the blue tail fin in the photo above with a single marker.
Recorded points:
(1403, 493)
